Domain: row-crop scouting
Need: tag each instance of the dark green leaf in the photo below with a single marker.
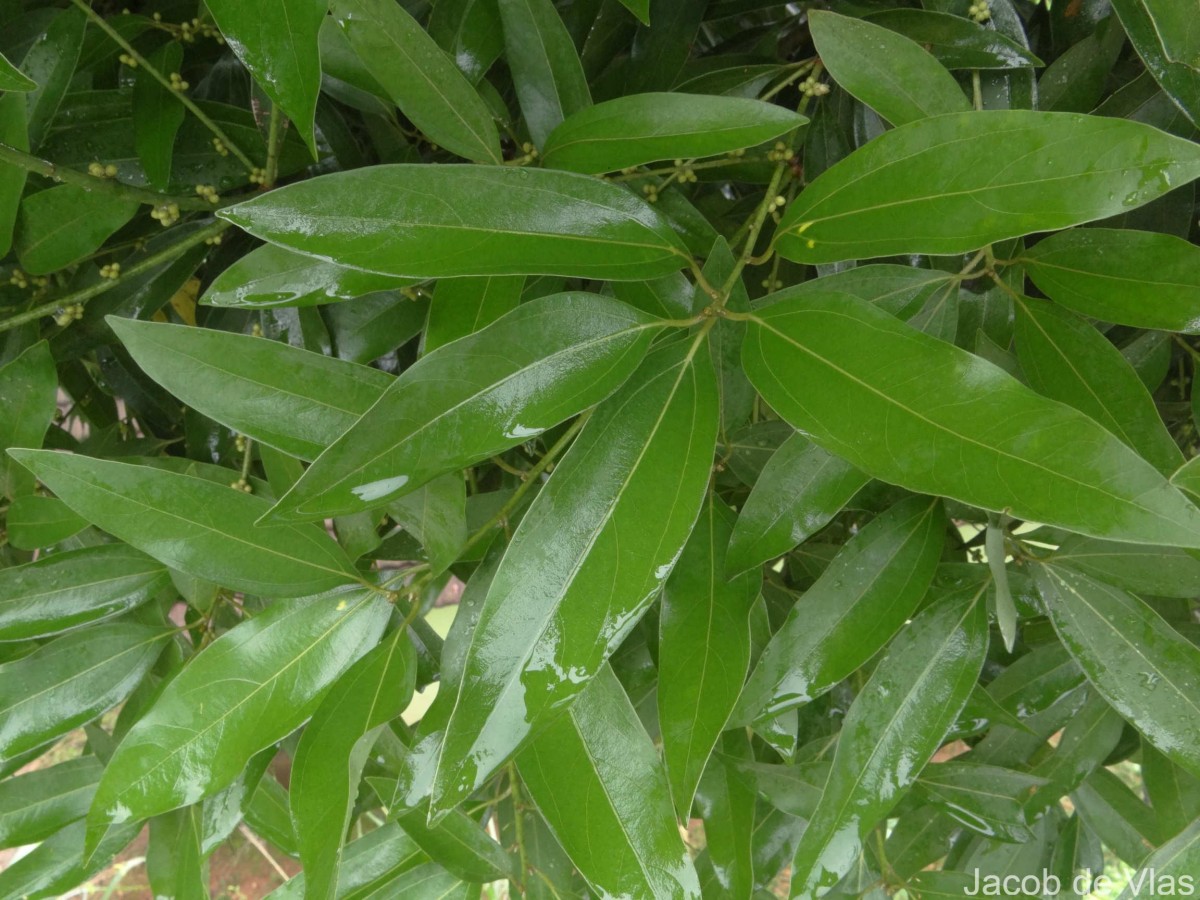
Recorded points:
(157, 115)
(13, 79)
(957, 43)
(1163, 34)
(1171, 868)
(12, 178)
(470, 31)
(463, 306)
(50, 63)
(1158, 571)
(986, 799)
(35, 805)
(175, 865)
(35, 522)
(436, 515)
(62, 224)
(28, 402)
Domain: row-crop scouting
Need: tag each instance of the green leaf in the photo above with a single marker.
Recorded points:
(799, 491)
(463, 306)
(1162, 32)
(1139, 278)
(986, 799)
(884, 69)
(549, 622)
(13, 79)
(64, 591)
(957, 43)
(370, 862)
(63, 224)
(1143, 667)
(1174, 793)
(71, 680)
(1118, 816)
(292, 399)
(157, 115)
(1157, 571)
(28, 402)
(644, 128)
(175, 865)
(419, 77)
(915, 411)
(258, 682)
(35, 805)
(598, 780)
(894, 725)
(726, 800)
(333, 750)
(704, 650)
(459, 844)
(1066, 359)
(35, 522)
(474, 398)
(50, 63)
(1169, 869)
(278, 44)
(936, 186)
(546, 71)
(436, 515)
(865, 596)
(446, 221)
(195, 525)
(470, 31)
(12, 178)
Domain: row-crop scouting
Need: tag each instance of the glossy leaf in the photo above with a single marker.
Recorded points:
(175, 865)
(643, 128)
(704, 650)
(436, 515)
(1094, 168)
(13, 79)
(13, 132)
(426, 222)
(61, 225)
(419, 77)
(537, 366)
(548, 623)
(986, 799)
(598, 780)
(35, 521)
(956, 42)
(463, 306)
(259, 681)
(865, 596)
(292, 399)
(333, 750)
(1157, 571)
(71, 680)
(1066, 359)
(799, 491)
(157, 115)
(955, 425)
(1172, 867)
(28, 402)
(887, 71)
(1148, 671)
(197, 526)
(279, 47)
(891, 729)
(35, 805)
(64, 591)
(459, 844)
(1162, 33)
(1136, 278)
(51, 63)
(470, 31)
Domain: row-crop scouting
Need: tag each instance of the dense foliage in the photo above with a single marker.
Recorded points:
(803, 392)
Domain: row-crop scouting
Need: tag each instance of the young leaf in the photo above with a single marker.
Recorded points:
(799, 491)
(13, 79)
(28, 402)
(915, 411)
(198, 526)
(71, 680)
(1138, 278)
(549, 622)
(863, 598)
(280, 50)
(157, 115)
(67, 590)
(892, 729)
(643, 128)
(333, 750)
(463, 306)
(292, 399)
(704, 650)
(446, 221)
(419, 77)
(884, 69)
(35, 805)
(492, 390)
(60, 225)
(597, 779)
(1148, 671)
(258, 682)
(546, 70)
(936, 186)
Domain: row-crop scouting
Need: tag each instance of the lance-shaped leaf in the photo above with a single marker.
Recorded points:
(1171, 867)
(13, 79)
(70, 681)
(193, 524)
(333, 750)
(63, 224)
(271, 276)
(445, 221)
(1148, 671)
(280, 50)
(892, 729)
(51, 63)
(175, 864)
(66, 590)
(599, 782)
(1157, 571)
(471, 399)
(799, 491)
(587, 559)
(1065, 358)
(248, 689)
(1163, 33)
(463, 306)
(28, 401)
(35, 805)
(643, 128)
(157, 115)
(986, 799)
(918, 412)
(884, 69)
(419, 77)
(1139, 278)
(289, 398)
(704, 650)
(936, 186)
(956, 42)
